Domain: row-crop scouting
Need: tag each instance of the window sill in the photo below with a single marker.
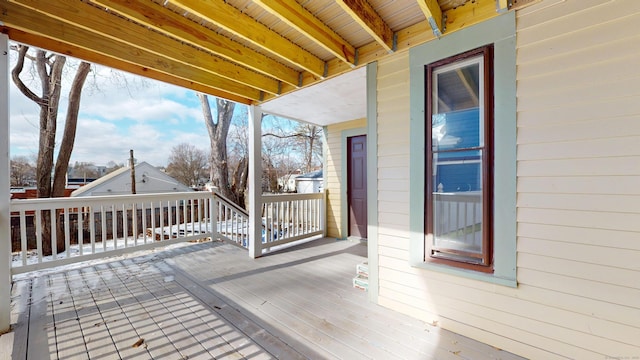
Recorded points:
(470, 274)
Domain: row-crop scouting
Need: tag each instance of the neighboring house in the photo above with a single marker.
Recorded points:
(287, 183)
(149, 180)
(309, 182)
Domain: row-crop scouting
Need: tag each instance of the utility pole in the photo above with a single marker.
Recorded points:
(132, 166)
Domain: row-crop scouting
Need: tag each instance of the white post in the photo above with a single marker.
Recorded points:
(213, 215)
(255, 181)
(5, 213)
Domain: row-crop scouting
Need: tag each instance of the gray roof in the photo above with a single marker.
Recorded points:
(311, 175)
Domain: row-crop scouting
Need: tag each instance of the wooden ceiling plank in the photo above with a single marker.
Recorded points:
(299, 18)
(365, 15)
(433, 13)
(234, 21)
(170, 23)
(96, 58)
(93, 19)
(22, 18)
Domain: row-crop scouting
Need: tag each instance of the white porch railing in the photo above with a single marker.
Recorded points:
(233, 221)
(99, 226)
(291, 217)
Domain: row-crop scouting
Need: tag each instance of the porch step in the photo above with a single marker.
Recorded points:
(361, 281)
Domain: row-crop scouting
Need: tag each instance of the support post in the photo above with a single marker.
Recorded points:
(5, 212)
(255, 181)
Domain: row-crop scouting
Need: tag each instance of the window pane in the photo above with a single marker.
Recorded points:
(458, 86)
(457, 208)
(456, 130)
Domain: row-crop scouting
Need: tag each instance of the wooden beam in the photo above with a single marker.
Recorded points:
(115, 28)
(234, 21)
(175, 25)
(433, 13)
(97, 58)
(299, 18)
(363, 13)
(21, 18)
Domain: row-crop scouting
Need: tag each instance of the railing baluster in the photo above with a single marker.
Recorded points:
(170, 219)
(162, 220)
(143, 217)
(114, 225)
(134, 225)
(79, 230)
(125, 225)
(92, 232)
(39, 234)
(153, 220)
(103, 227)
(54, 233)
(23, 237)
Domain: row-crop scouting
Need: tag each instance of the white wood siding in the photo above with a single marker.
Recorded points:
(578, 193)
(333, 175)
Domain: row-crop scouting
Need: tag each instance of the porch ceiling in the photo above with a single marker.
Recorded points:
(248, 51)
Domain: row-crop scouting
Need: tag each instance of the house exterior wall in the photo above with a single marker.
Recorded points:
(149, 180)
(578, 212)
(335, 140)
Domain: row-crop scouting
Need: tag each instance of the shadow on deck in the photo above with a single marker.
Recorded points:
(210, 300)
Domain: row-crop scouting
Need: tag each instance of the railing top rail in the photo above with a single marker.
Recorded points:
(229, 203)
(291, 197)
(39, 203)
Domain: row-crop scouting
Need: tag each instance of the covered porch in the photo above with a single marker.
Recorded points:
(210, 300)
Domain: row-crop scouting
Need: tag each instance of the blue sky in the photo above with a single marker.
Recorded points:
(118, 112)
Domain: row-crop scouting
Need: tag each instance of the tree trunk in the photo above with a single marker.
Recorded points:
(218, 131)
(69, 134)
(50, 69)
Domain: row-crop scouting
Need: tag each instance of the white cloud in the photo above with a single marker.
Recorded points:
(118, 112)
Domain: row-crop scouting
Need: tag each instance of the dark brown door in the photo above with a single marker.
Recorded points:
(357, 185)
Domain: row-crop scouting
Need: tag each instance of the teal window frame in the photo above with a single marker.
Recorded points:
(499, 31)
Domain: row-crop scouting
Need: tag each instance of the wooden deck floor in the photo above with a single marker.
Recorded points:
(210, 300)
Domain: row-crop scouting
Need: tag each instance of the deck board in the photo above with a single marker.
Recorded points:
(211, 301)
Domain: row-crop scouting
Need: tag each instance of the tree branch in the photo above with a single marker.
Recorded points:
(15, 76)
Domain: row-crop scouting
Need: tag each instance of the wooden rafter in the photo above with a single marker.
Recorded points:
(94, 57)
(92, 19)
(469, 84)
(25, 19)
(364, 14)
(306, 23)
(172, 24)
(433, 13)
(234, 21)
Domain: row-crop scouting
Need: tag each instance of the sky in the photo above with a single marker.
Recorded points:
(118, 112)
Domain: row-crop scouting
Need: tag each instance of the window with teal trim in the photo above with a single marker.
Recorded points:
(459, 160)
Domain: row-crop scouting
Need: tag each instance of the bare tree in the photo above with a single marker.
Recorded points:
(305, 137)
(187, 164)
(86, 170)
(233, 187)
(308, 136)
(49, 68)
(22, 171)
